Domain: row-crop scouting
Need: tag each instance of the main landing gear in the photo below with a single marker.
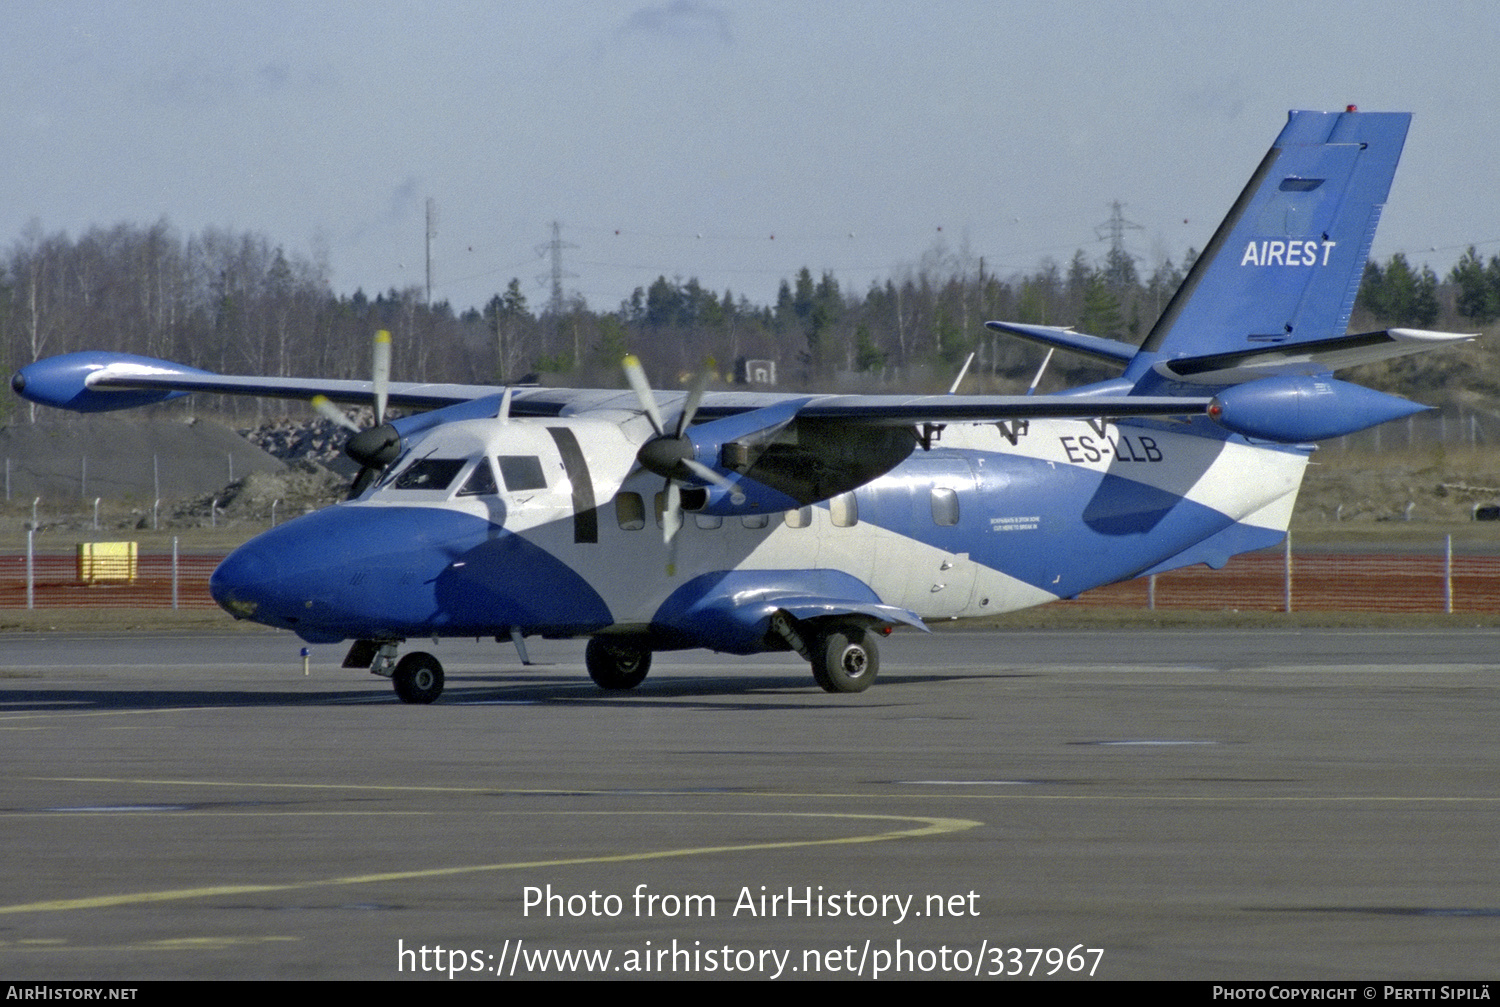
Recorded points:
(845, 659)
(843, 655)
(616, 664)
(417, 677)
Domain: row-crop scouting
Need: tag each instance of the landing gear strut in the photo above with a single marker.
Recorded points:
(616, 664)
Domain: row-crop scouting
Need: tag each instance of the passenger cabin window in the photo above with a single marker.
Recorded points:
(522, 472)
(630, 511)
(944, 506)
(844, 510)
(755, 520)
(429, 474)
(708, 521)
(481, 481)
(799, 518)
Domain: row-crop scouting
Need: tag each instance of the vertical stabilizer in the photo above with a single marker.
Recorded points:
(1285, 265)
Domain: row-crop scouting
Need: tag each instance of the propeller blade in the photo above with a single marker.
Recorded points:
(381, 373)
(695, 398)
(333, 413)
(671, 524)
(362, 482)
(671, 515)
(636, 375)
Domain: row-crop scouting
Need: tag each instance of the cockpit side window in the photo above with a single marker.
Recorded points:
(429, 474)
(481, 481)
(522, 472)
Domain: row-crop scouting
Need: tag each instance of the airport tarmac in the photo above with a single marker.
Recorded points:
(1239, 805)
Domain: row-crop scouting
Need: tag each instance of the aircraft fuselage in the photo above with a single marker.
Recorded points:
(995, 517)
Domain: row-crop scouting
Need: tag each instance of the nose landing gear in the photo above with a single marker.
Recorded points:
(417, 677)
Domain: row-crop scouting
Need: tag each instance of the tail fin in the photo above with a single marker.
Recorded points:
(1282, 270)
(1284, 266)
(1261, 318)
(1262, 314)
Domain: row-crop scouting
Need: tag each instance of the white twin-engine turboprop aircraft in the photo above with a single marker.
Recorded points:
(814, 523)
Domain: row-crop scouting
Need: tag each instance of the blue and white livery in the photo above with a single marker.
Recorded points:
(812, 523)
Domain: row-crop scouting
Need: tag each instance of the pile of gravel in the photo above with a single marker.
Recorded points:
(314, 440)
(265, 496)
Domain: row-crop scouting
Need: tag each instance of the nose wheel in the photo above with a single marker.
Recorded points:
(418, 678)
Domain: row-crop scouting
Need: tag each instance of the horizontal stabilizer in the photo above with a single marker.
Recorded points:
(1318, 357)
(1096, 347)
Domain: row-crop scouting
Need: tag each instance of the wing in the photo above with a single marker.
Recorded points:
(99, 382)
(744, 449)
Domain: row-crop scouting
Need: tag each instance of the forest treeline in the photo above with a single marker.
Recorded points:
(239, 303)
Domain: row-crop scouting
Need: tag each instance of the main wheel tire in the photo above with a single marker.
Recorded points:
(418, 678)
(845, 659)
(616, 665)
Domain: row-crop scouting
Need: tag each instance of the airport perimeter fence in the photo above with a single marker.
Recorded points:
(89, 577)
(1281, 580)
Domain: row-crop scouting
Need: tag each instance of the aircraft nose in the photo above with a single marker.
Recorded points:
(347, 570)
(278, 577)
(240, 583)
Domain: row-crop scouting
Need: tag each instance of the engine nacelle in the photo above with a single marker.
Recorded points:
(748, 497)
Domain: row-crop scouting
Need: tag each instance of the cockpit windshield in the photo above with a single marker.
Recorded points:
(434, 474)
(429, 474)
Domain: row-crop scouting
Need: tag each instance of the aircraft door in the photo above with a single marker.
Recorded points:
(934, 549)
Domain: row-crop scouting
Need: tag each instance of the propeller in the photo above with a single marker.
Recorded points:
(374, 447)
(671, 455)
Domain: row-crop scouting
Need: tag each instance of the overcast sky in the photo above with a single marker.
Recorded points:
(734, 142)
